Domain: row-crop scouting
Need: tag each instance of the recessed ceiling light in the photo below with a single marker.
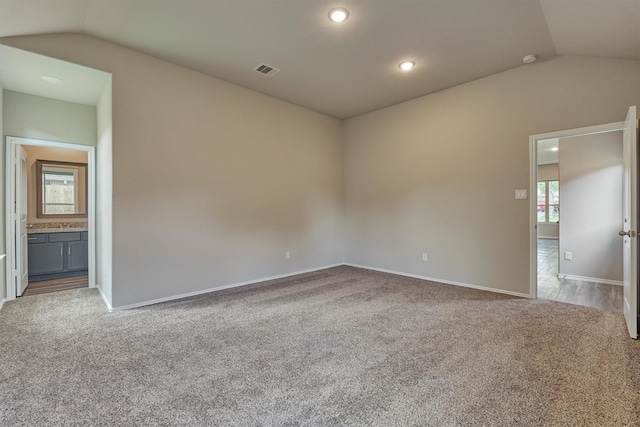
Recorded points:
(529, 59)
(406, 65)
(50, 79)
(339, 14)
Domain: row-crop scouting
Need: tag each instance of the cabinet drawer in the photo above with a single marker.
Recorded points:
(37, 238)
(85, 235)
(64, 237)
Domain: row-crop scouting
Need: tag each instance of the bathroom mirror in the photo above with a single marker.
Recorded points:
(61, 189)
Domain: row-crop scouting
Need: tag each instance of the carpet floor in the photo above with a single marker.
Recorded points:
(342, 346)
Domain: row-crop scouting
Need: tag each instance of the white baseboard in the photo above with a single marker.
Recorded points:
(446, 282)
(2, 301)
(591, 279)
(548, 237)
(104, 298)
(281, 276)
(206, 291)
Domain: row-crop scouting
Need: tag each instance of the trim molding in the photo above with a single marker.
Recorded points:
(281, 276)
(446, 282)
(104, 298)
(533, 188)
(2, 300)
(11, 143)
(591, 279)
(206, 291)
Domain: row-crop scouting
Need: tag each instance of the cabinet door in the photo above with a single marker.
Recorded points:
(78, 256)
(46, 258)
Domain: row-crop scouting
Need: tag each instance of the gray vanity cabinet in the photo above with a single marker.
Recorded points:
(77, 256)
(45, 258)
(57, 255)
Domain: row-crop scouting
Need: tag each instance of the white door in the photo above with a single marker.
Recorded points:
(630, 221)
(20, 220)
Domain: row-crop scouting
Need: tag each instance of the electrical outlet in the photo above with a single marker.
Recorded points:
(287, 255)
(568, 256)
(425, 256)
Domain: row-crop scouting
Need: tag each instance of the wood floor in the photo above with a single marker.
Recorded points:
(46, 286)
(597, 295)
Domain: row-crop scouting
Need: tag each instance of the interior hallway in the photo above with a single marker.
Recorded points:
(597, 295)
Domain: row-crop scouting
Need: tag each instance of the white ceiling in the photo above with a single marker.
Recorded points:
(344, 69)
(21, 71)
(548, 151)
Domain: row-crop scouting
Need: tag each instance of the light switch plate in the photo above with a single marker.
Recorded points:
(521, 194)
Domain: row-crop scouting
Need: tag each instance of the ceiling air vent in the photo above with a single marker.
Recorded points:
(266, 70)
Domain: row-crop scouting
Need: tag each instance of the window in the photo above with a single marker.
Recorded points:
(548, 201)
(59, 195)
(61, 189)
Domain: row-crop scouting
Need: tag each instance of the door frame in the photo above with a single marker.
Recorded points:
(533, 189)
(10, 236)
(19, 219)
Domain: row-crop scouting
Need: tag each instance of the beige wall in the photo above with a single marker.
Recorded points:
(437, 174)
(212, 183)
(591, 175)
(548, 231)
(52, 154)
(30, 116)
(548, 172)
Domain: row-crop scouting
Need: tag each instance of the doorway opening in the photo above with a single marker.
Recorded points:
(50, 216)
(579, 252)
(627, 223)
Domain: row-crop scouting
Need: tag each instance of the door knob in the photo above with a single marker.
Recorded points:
(630, 233)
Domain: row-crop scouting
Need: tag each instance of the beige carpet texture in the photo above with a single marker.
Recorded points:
(337, 347)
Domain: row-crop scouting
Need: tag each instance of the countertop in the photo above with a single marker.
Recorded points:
(54, 230)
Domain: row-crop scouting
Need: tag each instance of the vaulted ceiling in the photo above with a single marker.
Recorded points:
(350, 68)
